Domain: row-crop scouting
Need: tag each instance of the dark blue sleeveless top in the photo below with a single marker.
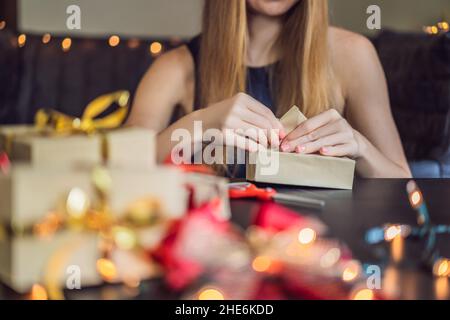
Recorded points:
(258, 86)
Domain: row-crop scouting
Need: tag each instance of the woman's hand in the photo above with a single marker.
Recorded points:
(327, 133)
(245, 123)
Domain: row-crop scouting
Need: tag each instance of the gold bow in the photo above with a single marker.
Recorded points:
(89, 122)
(79, 213)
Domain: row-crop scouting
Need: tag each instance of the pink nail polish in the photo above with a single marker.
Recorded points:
(300, 149)
(324, 150)
(285, 147)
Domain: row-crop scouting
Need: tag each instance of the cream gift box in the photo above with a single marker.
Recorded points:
(24, 260)
(125, 147)
(28, 194)
(298, 169)
(28, 260)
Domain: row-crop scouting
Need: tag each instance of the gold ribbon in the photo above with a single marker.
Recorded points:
(80, 214)
(90, 121)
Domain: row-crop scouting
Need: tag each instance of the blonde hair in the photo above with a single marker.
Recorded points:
(303, 75)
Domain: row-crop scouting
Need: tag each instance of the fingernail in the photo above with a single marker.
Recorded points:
(285, 147)
(300, 149)
(324, 150)
(282, 134)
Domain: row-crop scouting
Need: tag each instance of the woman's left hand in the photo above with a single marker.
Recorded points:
(327, 133)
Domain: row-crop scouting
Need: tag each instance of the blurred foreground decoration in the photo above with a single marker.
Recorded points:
(283, 255)
(424, 232)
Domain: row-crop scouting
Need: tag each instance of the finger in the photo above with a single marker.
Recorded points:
(257, 107)
(315, 146)
(342, 150)
(274, 139)
(235, 140)
(327, 130)
(255, 119)
(313, 124)
(253, 132)
(261, 122)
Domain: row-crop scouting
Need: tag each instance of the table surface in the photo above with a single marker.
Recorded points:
(348, 214)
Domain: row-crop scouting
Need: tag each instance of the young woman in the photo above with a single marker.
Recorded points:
(257, 58)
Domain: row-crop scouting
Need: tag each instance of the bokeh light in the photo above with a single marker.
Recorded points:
(156, 48)
(307, 236)
(66, 44)
(114, 41)
(211, 294)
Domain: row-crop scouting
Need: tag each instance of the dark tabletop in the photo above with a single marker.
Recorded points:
(348, 214)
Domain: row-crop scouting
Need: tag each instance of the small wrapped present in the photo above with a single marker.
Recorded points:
(99, 222)
(27, 194)
(300, 169)
(24, 260)
(206, 188)
(60, 140)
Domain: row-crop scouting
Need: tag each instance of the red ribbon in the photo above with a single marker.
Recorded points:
(5, 163)
(181, 271)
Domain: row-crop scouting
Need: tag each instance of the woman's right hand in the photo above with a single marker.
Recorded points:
(245, 123)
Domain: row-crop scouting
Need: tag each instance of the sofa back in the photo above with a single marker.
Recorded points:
(40, 75)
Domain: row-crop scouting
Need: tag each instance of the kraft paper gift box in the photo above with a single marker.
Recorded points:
(125, 147)
(24, 260)
(28, 194)
(28, 260)
(299, 169)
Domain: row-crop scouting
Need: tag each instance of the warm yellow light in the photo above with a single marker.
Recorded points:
(124, 238)
(156, 48)
(397, 248)
(363, 294)
(38, 292)
(211, 294)
(46, 38)
(106, 269)
(441, 288)
(330, 258)
(416, 198)
(307, 236)
(441, 268)
(21, 40)
(392, 232)
(114, 41)
(351, 272)
(2, 25)
(66, 44)
(77, 203)
(261, 264)
(434, 30)
(49, 226)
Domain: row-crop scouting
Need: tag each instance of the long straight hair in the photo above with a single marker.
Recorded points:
(302, 76)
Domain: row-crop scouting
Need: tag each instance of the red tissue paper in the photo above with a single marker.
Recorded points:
(178, 252)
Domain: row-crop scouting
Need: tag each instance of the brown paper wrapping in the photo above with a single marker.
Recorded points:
(126, 148)
(27, 194)
(298, 169)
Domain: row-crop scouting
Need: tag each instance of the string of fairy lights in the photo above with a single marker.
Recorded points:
(437, 29)
(155, 48)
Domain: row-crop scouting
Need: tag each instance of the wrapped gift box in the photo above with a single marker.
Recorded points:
(208, 187)
(300, 169)
(27, 194)
(24, 260)
(126, 147)
(27, 260)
